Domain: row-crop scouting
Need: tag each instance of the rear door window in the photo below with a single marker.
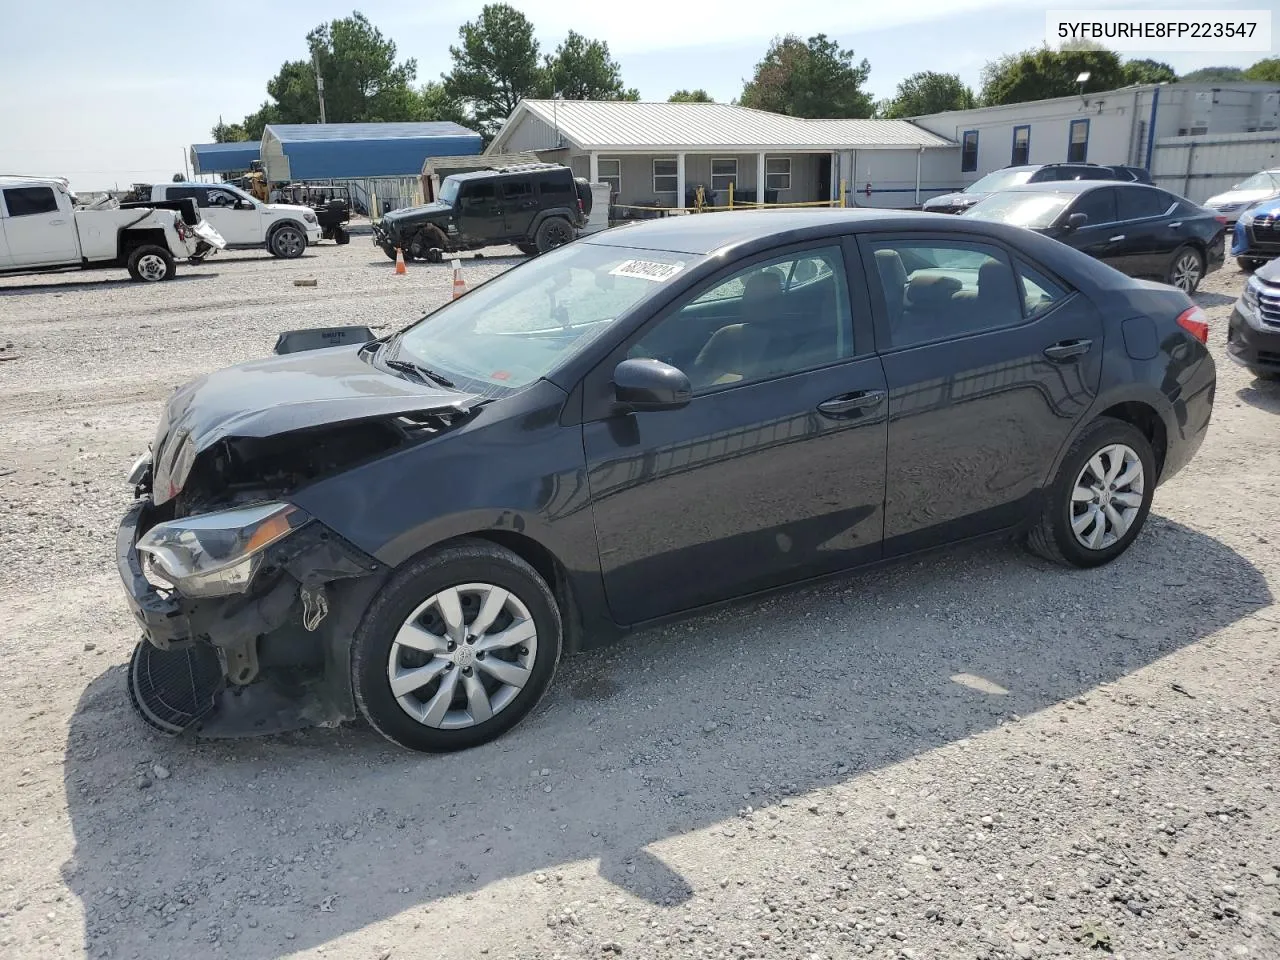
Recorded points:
(1098, 205)
(479, 194)
(517, 190)
(1139, 203)
(30, 201)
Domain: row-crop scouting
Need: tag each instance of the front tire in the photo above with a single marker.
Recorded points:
(151, 264)
(456, 649)
(1099, 501)
(1186, 269)
(287, 242)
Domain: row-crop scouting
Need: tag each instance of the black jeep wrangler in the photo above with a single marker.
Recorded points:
(537, 207)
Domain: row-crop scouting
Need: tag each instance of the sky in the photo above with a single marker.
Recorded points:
(111, 92)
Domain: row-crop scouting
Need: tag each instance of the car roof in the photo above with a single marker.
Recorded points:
(1075, 186)
(519, 171)
(705, 234)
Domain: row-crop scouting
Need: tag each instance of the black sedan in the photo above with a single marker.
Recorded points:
(640, 424)
(1140, 230)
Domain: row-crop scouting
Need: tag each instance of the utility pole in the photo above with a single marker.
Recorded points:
(315, 63)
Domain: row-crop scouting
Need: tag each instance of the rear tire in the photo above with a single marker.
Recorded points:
(1249, 264)
(464, 571)
(553, 232)
(1186, 269)
(151, 264)
(340, 236)
(1064, 526)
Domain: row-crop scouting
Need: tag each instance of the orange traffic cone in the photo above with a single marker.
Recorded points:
(400, 261)
(459, 285)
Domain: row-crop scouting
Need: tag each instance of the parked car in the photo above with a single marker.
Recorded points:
(44, 228)
(1253, 335)
(1255, 238)
(1263, 185)
(1014, 176)
(537, 207)
(1140, 230)
(246, 222)
(647, 421)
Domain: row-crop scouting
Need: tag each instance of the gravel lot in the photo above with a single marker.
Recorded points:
(970, 756)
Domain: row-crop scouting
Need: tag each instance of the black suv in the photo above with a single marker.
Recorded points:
(536, 206)
(1031, 173)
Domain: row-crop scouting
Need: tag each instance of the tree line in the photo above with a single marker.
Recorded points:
(497, 62)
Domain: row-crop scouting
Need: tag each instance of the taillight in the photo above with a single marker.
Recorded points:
(581, 209)
(1196, 322)
(1221, 219)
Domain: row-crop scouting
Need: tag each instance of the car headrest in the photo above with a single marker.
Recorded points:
(758, 286)
(927, 290)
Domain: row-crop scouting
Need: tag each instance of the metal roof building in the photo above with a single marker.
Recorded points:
(314, 151)
(654, 153)
(223, 157)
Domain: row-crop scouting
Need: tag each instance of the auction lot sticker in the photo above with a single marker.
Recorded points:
(647, 270)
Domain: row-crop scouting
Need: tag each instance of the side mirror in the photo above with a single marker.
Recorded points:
(1077, 220)
(646, 384)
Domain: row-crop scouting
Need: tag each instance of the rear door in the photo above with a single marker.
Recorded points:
(1101, 236)
(989, 361)
(39, 227)
(519, 205)
(1150, 236)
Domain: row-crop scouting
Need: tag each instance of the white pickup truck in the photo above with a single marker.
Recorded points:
(244, 221)
(44, 228)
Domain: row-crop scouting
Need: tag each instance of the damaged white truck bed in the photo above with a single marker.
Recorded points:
(44, 228)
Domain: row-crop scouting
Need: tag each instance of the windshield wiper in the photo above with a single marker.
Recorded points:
(408, 366)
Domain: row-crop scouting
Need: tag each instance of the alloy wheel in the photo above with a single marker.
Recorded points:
(1186, 272)
(1107, 496)
(462, 656)
(288, 242)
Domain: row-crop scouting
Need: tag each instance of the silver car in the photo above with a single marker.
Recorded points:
(1264, 185)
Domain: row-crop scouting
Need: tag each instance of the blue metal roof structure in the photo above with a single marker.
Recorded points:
(224, 157)
(318, 151)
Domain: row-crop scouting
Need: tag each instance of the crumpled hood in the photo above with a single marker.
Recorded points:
(276, 395)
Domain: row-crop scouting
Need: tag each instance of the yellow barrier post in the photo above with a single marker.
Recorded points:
(730, 194)
(843, 202)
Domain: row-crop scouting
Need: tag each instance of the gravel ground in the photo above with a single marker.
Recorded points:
(970, 756)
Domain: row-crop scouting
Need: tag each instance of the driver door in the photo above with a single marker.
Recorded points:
(480, 212)
(223, 209)
(775, 470)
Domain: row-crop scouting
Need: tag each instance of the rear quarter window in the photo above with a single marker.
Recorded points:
(556, 189)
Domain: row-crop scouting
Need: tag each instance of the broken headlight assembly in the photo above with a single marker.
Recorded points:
(216, 554)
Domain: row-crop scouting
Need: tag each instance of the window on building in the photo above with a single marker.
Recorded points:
(723, 173)
(30, 201)
(1021, 146)
(610, 172)
(969, 151)
(777, 174)
(1078, 142)
(665, 177)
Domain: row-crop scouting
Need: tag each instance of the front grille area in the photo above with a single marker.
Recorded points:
(1269, 305)
(1267, 229)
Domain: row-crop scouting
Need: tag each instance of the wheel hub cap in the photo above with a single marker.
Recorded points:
(1107, 497)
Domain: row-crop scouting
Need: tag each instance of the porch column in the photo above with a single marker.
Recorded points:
(760, 177)
(680, 180)
(832, 191)
(594, 170)
(919, 157)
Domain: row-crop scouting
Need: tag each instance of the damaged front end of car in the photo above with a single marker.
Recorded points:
(247, 603)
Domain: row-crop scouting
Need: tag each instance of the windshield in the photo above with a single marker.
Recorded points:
(449, 190)
(236, 190)
(999, 180)
(1034, 210)
(1266, 180)
(522, 324)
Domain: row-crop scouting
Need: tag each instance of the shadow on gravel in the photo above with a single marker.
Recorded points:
(236, 849)
(466, 259)
(1263, 394)
(100, 284)
(1206, 299)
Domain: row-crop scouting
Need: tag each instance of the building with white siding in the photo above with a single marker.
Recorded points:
(658, 154)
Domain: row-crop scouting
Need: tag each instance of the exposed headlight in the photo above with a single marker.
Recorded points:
(217, 554)
(1249, 299)
(1227, 207)
(139, 469)
(310, 218)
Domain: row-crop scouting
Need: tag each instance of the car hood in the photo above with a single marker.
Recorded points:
(960, 199)
(1269, 271)
(292, 208)
(434, 209)
(1267, 208)
(1238, 198)
(263, 398)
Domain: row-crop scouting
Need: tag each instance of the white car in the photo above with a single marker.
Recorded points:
(246, 222)
(44, 228)
(1264, 185)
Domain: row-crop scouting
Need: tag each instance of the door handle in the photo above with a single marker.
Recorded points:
(1116, 239)
(56, 223)
(1067, 350)
(851, 403)
(1175, 225)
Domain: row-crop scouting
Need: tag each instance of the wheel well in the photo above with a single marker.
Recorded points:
(131, 240)
(1148, 421)
(550, 569)
(285, 223)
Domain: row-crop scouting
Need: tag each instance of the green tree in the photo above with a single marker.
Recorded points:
(435, 103)
(813, 78)
(1213, 75)
(1148, 71)
(1264, 71)
(582, 69)
(496, 65)
(228, 132)
(927, 92)
(690, 96)
(1043, 73)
